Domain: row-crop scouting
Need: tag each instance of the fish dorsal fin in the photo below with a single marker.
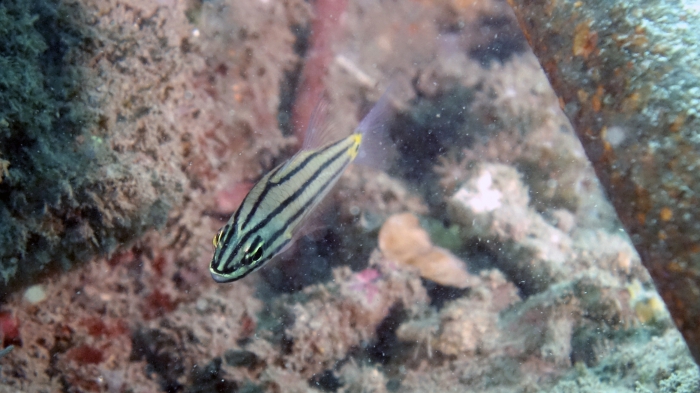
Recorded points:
(319, 133)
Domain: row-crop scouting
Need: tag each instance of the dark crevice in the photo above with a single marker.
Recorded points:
(326, 381)
(162, 355)
(507, 41)
(386, 344)
(211, 378)
(441, 294)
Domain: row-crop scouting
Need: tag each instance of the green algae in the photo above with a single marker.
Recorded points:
(39, 121)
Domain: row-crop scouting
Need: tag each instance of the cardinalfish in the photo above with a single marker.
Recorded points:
(276, 208)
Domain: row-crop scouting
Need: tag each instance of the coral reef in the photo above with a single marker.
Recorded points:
(485, 258)
(493, 207)
(337, 317)
(538, 143)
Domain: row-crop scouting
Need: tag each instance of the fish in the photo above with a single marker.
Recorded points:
(271, 216)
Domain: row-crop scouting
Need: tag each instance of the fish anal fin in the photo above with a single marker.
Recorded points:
(319, 133)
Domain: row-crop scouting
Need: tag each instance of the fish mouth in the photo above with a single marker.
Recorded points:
(219, 278)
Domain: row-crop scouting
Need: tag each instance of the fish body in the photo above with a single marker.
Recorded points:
(278, 204)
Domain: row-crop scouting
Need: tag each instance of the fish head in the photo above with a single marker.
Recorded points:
(237, 255)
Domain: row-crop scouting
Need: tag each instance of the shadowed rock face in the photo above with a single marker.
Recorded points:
(627, 78)
(65, 196)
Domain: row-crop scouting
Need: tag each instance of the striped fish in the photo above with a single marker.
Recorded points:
(277, 206)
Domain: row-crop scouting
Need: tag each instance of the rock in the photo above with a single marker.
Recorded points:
(402, 239)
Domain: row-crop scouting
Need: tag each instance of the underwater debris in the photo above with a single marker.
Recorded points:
(605, 61)
(402, 239)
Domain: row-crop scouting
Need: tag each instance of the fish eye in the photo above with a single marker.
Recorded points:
(257, 254)
(253, 257)
(254, 253)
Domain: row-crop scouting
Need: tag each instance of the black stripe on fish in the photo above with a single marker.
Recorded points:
(306, 206)
(296, 215)
(269, 185)
(281, 208)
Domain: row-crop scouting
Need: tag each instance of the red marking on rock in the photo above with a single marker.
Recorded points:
(119, 328)
(121, 258)
(95, 326)
(85, 354)
(247, 325)
(9, 327)
(159, 265)
(158, 304)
